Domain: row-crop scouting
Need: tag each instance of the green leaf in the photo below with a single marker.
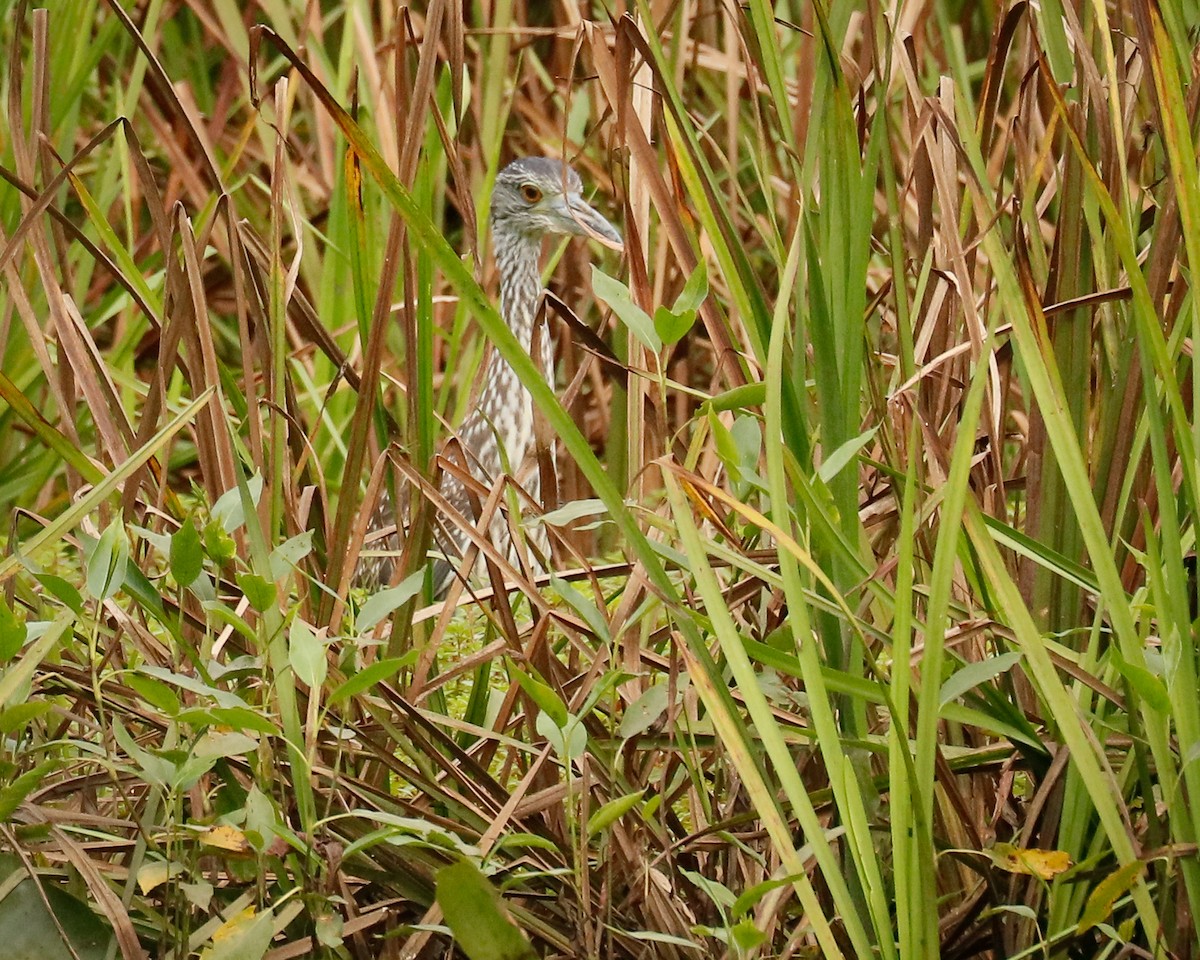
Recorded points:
(13, 681)
(218, 544)
(217, 610)
(287, 556)
(155, 769)
(260, 593)
(746, 936)
(226, 743)
(328, 929)
(547, 700)
(40, 924)
(12, 632)
(262, 819)
(106, 560)
(717, 892)
(674, 323)
(187, 555)
(366, 678)
(672, 327)
(644, 711)
(583, 606)
(61, 589)
(198, 894)
(747, 440)
(727, 448)
(838, 459)
(612, 811)
(739, 398)
(154, 692)
(574, 510)
(973, 674)
(159, 541)
(46, 432)
(138, 585)
(306, 654)
(1020, 910)
(652, 936)
(14, 794)
(228, 511)
(569, 740)
(225, 698)
(383, 604)
(1149, 687)
(749, 897)
(694, 291)
(616, 295)
(189, 772)
(89, 502)
(476, 915)
(239, 718)
(524, 841)
(20, 715)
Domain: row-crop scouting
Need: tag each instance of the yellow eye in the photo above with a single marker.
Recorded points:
(531, 193)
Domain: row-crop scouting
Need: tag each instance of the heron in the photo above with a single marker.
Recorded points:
(533, 198)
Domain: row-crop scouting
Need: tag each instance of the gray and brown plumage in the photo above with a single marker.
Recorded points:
(534, 197)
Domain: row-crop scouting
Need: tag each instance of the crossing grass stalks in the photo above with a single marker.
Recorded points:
(872, 632)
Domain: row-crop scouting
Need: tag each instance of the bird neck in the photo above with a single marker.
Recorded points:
(505, 409)
(517, 256)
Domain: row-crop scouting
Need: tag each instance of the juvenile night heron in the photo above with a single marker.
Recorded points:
(534, 197)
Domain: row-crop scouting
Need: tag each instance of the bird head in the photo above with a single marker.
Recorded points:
(536, 196)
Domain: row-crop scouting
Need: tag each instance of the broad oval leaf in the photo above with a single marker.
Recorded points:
(287, 556)
(226, 743)
(62, 589)
(644, 712)
(187, 553)
(617, 295)
(260, 593)
(476, 915)
(245, 936)
(384, 603)
(228, 510)
(306, 654)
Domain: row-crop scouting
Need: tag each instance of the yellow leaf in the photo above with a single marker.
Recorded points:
(226, 837)
(244, 936)
(156, 873)
(234, 925)
(1100, 901)
(1046, 864)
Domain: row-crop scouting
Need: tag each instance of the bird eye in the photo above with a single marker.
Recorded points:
(531, 193)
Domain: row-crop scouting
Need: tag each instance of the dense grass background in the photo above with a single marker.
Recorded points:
(873, 631)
